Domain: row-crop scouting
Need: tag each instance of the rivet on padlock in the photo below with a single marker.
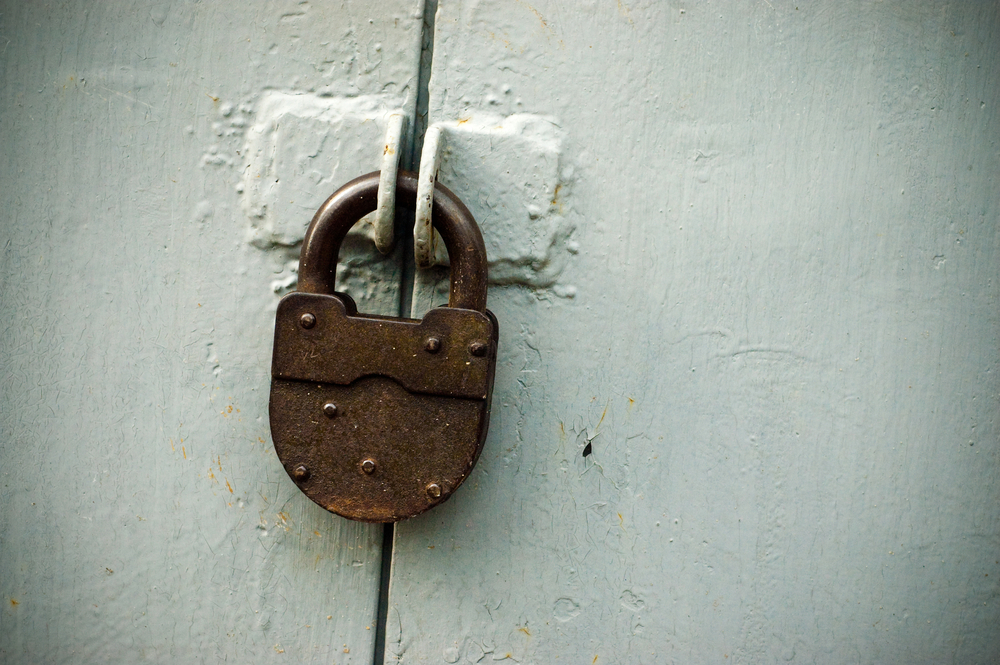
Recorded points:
(404, 402)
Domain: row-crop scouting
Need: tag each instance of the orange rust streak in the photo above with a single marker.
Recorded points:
(603, 414)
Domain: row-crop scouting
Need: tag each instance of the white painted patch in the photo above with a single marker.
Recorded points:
(301, 148)
(509, 172)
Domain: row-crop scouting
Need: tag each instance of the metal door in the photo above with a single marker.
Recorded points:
(746, 400)
(744, 257)
(161, 161)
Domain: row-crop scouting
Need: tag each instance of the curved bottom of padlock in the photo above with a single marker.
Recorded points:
(372, 451)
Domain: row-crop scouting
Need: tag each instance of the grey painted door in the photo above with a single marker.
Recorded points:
(160, 161)
(752, 268)
(744, 257)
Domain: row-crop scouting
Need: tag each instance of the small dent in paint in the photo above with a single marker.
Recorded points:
(565, 609)
(631, 601)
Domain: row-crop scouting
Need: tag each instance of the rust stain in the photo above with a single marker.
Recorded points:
(229, 409)
(524, 629)
(506, 42)
(184, 452)
(211, 475)
(230, 487)
(219, 460)
(462, 121)
(624, 11)
(602, 416)
(593, 661)
(284, 516)
(14, 602)
(318, 534)
(541, 19)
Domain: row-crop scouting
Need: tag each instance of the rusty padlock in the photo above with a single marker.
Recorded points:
(377, 418)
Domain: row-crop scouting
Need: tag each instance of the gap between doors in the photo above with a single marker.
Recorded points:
(407, 281)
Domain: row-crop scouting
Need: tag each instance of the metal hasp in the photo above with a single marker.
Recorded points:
(376, 418)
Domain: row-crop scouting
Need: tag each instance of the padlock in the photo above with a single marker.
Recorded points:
(377, 418)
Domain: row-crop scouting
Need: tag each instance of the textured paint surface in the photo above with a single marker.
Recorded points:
(764, 428)
(145, 515)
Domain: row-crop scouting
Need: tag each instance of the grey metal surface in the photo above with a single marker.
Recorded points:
(156, 159)
(774, 326)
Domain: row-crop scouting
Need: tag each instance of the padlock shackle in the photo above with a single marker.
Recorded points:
(458, 229)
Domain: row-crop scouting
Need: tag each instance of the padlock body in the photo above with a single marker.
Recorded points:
(408, 417)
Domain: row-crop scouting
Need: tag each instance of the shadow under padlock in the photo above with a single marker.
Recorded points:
(378, 418)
